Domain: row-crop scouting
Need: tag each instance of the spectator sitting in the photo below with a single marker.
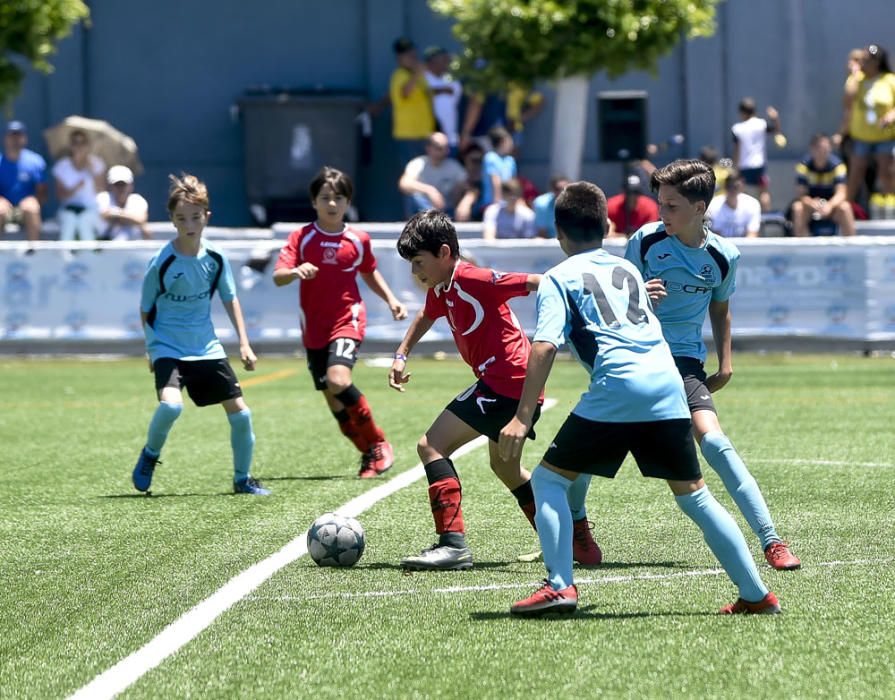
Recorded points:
(446, 93)
(412, 118)
(123, 212)
(735, 214)
(435, 180)
(499, 165)
(78, 178)
(750, 153)
(469, 207)
(511, 217)
(630, 209)
(821, 191)
(23, 182)
(543, 207)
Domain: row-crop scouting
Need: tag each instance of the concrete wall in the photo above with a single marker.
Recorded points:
(169, 72)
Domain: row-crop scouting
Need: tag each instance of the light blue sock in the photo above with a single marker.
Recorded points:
(741, 485)
(242, 440)
(577, 495)
(160, 425)
(725, 540)
(554, 521)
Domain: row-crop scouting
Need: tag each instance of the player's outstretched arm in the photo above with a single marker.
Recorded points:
(533, 282)
(719, 316)
(246, 354)
(376, 282)
(513, 435)
(286, 275)
(418, 328)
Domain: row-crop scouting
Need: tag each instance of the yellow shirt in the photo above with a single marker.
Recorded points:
(412, 117)
(517, 100)
(875, 97)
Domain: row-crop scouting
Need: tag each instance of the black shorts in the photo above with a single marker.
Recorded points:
(341, 351)
(663, 449)
(207, 381)
(699, 398)
(486, 411)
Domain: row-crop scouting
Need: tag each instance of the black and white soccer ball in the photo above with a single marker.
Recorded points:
(336, 540)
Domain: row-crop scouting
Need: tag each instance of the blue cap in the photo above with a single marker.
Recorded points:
(15, 126)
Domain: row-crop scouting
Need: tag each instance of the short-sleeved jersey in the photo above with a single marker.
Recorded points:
(20, 178)
(330, 304)
(751, 135)
(487, 332)
(177, 292)
(821, 182)
(597, 303)
(693, 278)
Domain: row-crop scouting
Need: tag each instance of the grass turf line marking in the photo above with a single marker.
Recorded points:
(819, 462)
(514, 586)
(272, 377)
(189, 625)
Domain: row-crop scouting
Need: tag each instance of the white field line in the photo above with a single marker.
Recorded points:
(513, 586)
(821, 462)
(189, 625)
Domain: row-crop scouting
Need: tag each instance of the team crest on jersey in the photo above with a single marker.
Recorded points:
(495, 275)
(329, 256)
(708, 274)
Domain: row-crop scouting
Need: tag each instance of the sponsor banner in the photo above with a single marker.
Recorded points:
(814, 288)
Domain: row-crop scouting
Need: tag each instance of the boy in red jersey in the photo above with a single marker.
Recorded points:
(326, 257)
(491, 341)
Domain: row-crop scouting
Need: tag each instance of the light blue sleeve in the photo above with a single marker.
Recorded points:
(552, 312)
(491, 164)
(725, 290)
(227, 285)
(543, 218)
(151, 286)
(632, 253)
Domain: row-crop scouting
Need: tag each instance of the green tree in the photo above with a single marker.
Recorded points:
(29, 31)
(528, 40)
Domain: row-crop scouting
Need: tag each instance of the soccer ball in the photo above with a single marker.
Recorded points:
(336, 540)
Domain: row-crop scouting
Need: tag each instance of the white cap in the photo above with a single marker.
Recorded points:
(120, 173)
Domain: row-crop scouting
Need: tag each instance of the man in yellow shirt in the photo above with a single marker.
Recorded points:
(413, 119)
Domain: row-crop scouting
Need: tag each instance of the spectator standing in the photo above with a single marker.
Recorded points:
(499, 165)
(630, 209)
(511, 217)
(123, 212)
(446, 93)
(821, 191)
(23, 181)
(869, 119)
(434, 180)
(412, 118)
(750, 152)
(79, 176)
(735, 214)
(522, 105)
(544, 206)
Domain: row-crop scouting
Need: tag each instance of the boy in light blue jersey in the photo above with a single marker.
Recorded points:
(691, 272)
(598, 304)
(184, 351)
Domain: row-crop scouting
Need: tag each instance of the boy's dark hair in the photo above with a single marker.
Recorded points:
(428, 231)
(580, 212)
(817, 138)
(339, 181)
(694, 179)
(733, 180)
(709, 155)
(497, 135)
(555, 180)
(402, 45)
(747, 106)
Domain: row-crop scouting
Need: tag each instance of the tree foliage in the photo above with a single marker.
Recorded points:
(527, 40)
(29, 31)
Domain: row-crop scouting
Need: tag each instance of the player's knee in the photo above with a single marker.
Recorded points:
(170, 410)
(336, 383)
(426, 451)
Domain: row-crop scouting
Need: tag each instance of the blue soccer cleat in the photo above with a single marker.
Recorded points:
(142, 475)
(250, 486)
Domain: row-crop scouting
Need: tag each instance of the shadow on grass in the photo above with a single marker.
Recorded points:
(150, 496)
(316, 477)
(589, 612)
(408, 572)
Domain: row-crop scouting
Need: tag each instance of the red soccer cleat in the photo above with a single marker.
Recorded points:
(780, 558)
(584, 549)
(376, 460)
(769, 605)
(547, 600)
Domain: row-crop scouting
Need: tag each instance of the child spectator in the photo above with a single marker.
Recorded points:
(543, 207)
(510, 218)
(750, 152)
(490, 340)
(735, 214)
(499, 165)
(184, 351)
(326, 257)
(821, 192)
(123, 212)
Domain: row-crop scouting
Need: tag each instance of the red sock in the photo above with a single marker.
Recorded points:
(444, 499)
(346, 425)
(363, 423)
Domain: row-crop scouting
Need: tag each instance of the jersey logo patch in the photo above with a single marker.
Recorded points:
(708, 274)
(663, 256)
(482, 400)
